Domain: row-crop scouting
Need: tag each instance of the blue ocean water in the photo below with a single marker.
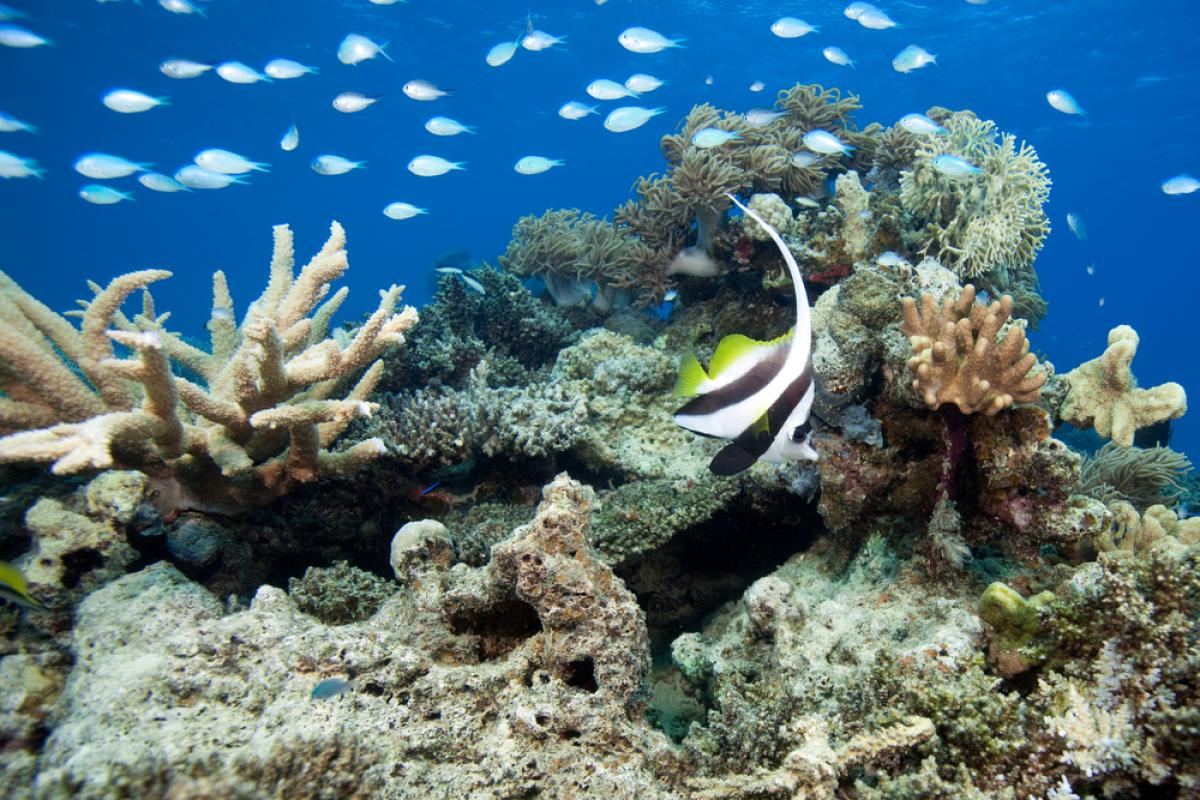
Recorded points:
(1132, 66)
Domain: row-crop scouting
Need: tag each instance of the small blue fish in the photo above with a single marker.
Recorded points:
(330, 687)
(429, 488)
(954, 166)
(1061, 100)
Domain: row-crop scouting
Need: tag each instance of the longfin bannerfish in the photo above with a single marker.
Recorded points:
(757, 394)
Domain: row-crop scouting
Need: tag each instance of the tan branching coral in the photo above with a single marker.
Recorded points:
(1103, 393)
(991, 220)
(259, 419)
(960, 358)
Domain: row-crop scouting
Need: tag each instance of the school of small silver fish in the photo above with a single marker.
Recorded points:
(214, 168)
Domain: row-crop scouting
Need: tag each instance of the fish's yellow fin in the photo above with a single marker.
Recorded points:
(691, 377)
(732, 349)
(12, 582)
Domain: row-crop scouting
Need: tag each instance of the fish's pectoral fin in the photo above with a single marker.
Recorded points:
(731, 460)
(691, 377)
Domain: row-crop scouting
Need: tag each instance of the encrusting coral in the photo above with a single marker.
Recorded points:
(260, 421)
(1103, 394)
(958, 358)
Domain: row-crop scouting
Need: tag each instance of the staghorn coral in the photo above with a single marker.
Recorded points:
(978, 223)
(1142, 477)
(1103, 394)
(259, 422)
(959, 358)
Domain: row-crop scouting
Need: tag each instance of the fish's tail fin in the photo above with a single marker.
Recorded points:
(383, 52)
(679, 42)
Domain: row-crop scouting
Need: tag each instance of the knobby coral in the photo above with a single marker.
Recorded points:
(259, 420)
(1103, 393)
(989, 221)
(958, 357)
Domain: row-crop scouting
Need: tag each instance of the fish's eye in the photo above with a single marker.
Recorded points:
(801, 432)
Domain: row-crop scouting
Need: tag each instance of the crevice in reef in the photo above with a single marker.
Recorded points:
(703, 567)
(499, 628)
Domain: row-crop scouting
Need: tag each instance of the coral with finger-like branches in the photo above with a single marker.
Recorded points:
(259, 420)
(960, 358)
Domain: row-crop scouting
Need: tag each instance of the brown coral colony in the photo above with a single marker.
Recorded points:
(958, 359)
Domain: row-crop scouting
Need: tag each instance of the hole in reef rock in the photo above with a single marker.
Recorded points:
(78, 564)
(500, 628)
(581, 673)
(701, 568)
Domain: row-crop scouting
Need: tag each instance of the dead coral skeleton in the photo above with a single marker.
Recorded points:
(960, 359)
(259, 420)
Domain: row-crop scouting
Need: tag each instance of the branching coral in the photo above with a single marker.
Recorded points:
(1103, 393)
(259, 421)
(959, 358)
(974, 224)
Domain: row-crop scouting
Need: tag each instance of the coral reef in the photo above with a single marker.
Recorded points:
(530, 669)
(991, 221)
(1103, 394)
(537, 589)
(261, 421)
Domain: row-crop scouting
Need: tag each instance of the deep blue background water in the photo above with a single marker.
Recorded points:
(1132, 66)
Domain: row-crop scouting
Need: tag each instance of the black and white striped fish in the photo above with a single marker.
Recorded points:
(757, 394)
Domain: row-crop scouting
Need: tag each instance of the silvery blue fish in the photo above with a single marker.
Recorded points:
(644, 40)
(501, 54)
(533, 165)
(641, 82)
(229, 163)
(291, 138)
(14, 166)
(444, 126)
(103, 195)
(430, 166)
(182, 68)
(1061, 100)
(954, 166)
(197, 177)
(237, 72)
(706, 138)
(400, 210)
(102, 166)
(16, 36)
(573, 109)
(920, 125)
(627, 118)
(286, 69)
(791, 28)
(604, 89)
(836, 55)
(825, 143)
(911, 58)
(356, 48)
(1180, 184)
(157, 182)
(536, 41)
(334, 165)
(131, 101)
